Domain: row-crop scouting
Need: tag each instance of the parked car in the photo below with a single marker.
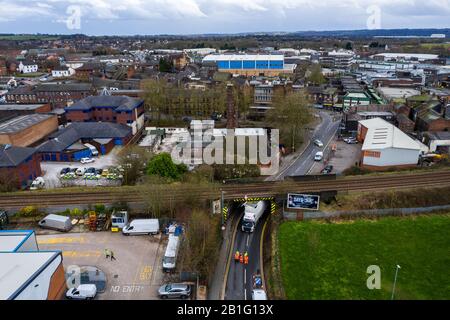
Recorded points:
(175, 290)
(83, 292)
(99, 172)
(318, 156)
(38, 183)
(350, 140)
(90, 172)
(64, 171)
(327, 169)
(87, 160)
(81, 171)
(105, 173)
(318, 143)
(73, 170)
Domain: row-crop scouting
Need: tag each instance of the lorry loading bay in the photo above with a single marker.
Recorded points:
(134, 274)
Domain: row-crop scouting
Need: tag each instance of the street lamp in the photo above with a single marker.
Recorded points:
(395, 281)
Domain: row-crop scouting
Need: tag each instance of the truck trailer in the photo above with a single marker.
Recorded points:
(253, 212)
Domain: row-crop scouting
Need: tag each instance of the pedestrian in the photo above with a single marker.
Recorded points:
(236, 256)
(241, 258)
(107, 253)
(246, 259)
(112, 256)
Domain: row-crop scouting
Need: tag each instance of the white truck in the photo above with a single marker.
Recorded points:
(253, 212)
(171, 254)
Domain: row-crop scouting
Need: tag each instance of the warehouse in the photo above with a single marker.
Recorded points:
(25, 272)
(23, 131)
(386, 146)
(251, 65)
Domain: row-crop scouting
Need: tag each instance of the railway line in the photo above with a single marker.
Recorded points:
(177, 192)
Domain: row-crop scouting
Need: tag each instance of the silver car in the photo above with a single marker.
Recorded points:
(175, 290)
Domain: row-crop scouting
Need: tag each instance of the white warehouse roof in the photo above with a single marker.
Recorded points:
(243, 57)
(18, 268)
(382, 135)
(10, 240)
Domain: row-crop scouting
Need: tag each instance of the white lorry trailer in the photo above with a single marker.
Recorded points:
(253, 212)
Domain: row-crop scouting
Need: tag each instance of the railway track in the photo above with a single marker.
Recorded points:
(170, 192)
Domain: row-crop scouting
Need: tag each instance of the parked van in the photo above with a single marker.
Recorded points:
(55, 222)
(171, 254)
(83, 292)
(142, 226)
(93, 149)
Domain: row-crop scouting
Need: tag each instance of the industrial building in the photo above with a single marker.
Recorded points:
(251, 65)
(25, 272)
(386, 146)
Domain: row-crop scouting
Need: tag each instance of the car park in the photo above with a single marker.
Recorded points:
(82, 292)
(87, 160)
(318, 143)
(318, 156)
(327, 169)
(175, 290)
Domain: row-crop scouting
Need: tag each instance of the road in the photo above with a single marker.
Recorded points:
(239, 281)
(303, 164)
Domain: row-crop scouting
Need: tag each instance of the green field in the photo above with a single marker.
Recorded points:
(321, 260)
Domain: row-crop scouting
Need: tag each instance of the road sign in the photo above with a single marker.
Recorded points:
(303, 201)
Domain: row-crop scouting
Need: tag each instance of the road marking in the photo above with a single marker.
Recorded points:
(146, 273)
(245, 276)
(245, 293)
(62, 240)
(248, 238)
(82, 254)
(261, 252)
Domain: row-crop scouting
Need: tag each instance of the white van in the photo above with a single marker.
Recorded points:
(318, 156)
(171, 254)
(142, 226)
(93, 149)
(83, 292)
(55, 222)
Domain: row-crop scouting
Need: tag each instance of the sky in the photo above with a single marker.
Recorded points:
(151, 17)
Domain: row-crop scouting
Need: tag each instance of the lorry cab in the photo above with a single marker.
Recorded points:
(119, 219)
(253, 212)
(141, 226)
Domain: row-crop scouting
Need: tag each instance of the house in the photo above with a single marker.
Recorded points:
(437, 141)
(326, 96)
(68, 144)
(63, 72)
(27, 273)
(25, 130)
(22, 165)
(386, 146)
(431, 116)
(26, 67)
(106, 108)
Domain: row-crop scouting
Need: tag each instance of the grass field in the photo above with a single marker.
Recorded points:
(321, 260)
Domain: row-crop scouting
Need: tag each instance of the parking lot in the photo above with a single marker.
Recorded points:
(345, 156)
(51, 171)
(136, 274)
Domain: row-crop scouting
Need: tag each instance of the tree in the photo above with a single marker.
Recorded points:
(133, 161)
(315, 75)
(163, 166)
(290, 114)
(349, 46)
(165, 65)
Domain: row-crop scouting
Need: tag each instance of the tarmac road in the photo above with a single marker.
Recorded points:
(239, 282)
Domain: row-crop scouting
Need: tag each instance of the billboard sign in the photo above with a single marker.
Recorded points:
(303, 201)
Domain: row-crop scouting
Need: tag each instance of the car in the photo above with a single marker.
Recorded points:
(87, 160)
(82, 292)
(175, 290)
(350, 140)
(105, 173)
(327, 169)
(318, 156)
(99, 172)
(318, 143)
(259, 294)
(64, 171)
(90, 172)
(38, 183)
(81, 171)
(73, 170)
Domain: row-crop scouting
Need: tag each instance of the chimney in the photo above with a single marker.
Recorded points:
(231, 108)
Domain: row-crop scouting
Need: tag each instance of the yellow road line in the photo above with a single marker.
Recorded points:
(62, 240)
(82, 254)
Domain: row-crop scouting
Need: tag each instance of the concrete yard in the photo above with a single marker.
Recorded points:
(343, 158)
(135, 275)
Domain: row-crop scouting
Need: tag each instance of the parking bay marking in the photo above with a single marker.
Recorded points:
(82, 254)
(62, 240)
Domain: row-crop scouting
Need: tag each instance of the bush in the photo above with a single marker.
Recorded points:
(355, 170)
(225, 172)
(29, 211)
(163, 166)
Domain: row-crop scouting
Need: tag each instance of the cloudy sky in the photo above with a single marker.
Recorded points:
(128, 17)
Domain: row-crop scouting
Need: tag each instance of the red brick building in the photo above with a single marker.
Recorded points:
(22, 165)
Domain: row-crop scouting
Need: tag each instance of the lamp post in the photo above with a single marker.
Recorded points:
(395, 281)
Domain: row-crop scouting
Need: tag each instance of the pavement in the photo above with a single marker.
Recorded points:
(136, 274)
(302, 164)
